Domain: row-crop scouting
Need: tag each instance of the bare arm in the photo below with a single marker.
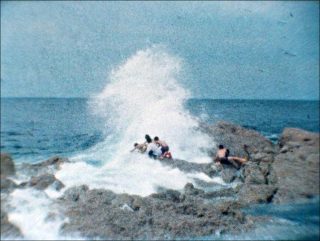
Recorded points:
(133, 149)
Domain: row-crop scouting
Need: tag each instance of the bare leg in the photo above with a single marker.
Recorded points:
(238, 159)
(233, 162)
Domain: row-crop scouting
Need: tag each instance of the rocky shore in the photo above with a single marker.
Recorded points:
(276, 173)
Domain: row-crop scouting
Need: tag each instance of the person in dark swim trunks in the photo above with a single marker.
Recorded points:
(164, 146)
(222, 157)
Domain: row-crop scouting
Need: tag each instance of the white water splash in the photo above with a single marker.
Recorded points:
(142, 96)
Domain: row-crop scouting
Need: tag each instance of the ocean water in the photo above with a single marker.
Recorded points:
(142, 96)
(33, 129)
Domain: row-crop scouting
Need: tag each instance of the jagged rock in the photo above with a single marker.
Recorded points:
(296, 137)
(7, 165)
(226, 192)
(171, 195)
(9, 230)
(104, 214)
(252, 174)
(75, 193)
(55, 161)
(234, 137)
(263, 193)
(296, 166)
(189, 189)
(44, 167)
(43, 181)
(186, 166)
(7, 185)
(228, 174)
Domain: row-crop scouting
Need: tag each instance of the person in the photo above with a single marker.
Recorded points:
(222, 157)
(164, 146)
(139, 147)
(153, 150)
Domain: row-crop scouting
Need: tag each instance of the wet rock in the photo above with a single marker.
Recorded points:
(43, 181)
(75, 193)
(9, 230)
(55, 161)
(7, 185)
(189, 167)
(226, 192)
(263, 193)
(170, 195)
(45, 167)
(296, 166)
(189, 189)
(7, 165)
(104, 214)
(228, 174)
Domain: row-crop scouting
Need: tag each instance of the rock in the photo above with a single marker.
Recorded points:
(7, 165)
(296, 166)
(104, 214)
(262, 157)
(263, 193)
(226, 192)
(44, 167)
(234, 137)
(169, 194)
(75, 193)
(126, 207)
(252, 174)
(8, 230)
(291, 136)
(189, 189)
(189, 167)
(7, 185)
(43, 181)
(55, 161)
(228, 174)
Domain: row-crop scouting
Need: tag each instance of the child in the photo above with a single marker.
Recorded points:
(139, 147)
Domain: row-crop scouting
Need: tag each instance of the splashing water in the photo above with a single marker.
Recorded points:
(143, 96)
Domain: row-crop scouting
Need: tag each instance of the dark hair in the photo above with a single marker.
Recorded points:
(221, 146)
(156, 138)
(148, 139)
(135, 144)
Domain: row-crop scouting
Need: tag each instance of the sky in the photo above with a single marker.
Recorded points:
(230, 50)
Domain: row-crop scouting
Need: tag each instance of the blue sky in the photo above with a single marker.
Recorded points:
(248, 50)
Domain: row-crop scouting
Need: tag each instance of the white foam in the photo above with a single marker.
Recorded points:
(142, 96)
(31, 213)
(137, 174)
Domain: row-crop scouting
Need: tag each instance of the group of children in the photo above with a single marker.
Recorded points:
(155, 148)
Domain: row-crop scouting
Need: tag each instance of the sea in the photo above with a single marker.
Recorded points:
(34, 129)
(141, 96)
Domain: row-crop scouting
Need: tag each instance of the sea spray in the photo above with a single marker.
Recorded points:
(35, 214)
(142, 96)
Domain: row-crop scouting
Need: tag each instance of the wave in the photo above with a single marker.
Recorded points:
(142, 96)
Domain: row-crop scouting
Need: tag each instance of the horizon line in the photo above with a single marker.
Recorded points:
(194, 98)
